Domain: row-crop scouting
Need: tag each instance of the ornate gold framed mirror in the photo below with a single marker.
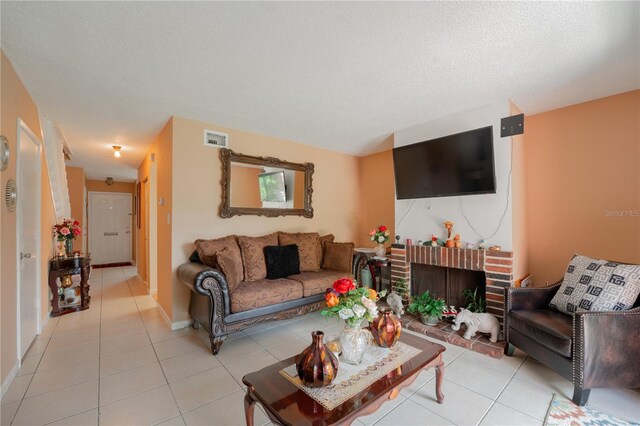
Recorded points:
(264, 186)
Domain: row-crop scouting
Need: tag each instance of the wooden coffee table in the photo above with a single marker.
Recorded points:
(286, 404)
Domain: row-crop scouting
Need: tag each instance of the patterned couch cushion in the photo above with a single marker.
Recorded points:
(231, 266)
(597, 285)
(252, 249)
(208, 249)
(318, 282)
(307, 248)
(256, 294)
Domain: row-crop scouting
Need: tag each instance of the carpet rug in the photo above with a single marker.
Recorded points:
(563, 412)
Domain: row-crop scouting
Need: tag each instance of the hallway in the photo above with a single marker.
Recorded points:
(121, 356)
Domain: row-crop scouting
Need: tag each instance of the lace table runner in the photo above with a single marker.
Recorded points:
(353, 379)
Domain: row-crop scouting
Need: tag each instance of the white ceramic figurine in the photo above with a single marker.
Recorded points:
(484, 323)
(394, 300)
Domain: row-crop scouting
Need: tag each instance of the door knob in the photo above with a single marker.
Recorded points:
(25, 255)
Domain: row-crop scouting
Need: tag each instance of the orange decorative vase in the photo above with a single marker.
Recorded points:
(317, 366)
(386, 328)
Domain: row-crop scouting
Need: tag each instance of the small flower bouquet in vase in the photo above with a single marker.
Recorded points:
(380, 235)
(65, 232)
(354, 305)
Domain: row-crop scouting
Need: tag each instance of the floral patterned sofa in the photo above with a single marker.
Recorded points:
(231, 290)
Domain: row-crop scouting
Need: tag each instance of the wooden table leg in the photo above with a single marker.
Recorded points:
(249, 405)
(439, 377)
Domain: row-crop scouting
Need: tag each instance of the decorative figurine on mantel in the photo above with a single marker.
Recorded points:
(450, 243)
(484, 323)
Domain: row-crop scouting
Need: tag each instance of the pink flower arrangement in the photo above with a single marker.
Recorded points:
(380, 235)
(69, 229)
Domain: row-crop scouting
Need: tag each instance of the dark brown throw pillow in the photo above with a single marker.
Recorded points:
(252, 249)
(338, 256)
(282, 261)
(307, 243)
(208, 249)
(231, 266)
(321, 242)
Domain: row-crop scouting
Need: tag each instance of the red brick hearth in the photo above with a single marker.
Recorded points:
(497, 266)
(498, 269)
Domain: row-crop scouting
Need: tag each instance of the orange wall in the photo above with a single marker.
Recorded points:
(197, 193)
(123, 187)
(245, 192)
(377, 196)
(17, 103)
(76, 183)
(162, 148)
(583, 161)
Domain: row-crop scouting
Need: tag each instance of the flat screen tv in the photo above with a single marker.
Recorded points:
(272, 187)
(460, 164)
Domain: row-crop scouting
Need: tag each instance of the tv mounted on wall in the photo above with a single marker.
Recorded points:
(460, 164)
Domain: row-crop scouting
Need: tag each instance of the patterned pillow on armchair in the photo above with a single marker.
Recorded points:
(597, 285)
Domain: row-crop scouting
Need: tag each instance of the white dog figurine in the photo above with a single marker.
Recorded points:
(394, 300)
(484, 323)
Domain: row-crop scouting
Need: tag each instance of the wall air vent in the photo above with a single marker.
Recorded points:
(216, 139)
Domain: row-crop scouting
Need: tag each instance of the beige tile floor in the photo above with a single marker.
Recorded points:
(118, 363)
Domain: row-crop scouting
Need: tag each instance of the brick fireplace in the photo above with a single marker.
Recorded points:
(496, 265)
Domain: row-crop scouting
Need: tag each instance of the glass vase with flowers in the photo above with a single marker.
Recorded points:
(354, 305)
(380, 235)
(65, 232)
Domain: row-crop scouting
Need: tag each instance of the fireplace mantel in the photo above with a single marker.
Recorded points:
(497, 266)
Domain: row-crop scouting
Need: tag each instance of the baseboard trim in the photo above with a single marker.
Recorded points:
(165, 317)
(178, 325)
(12, 375)
(44, 321)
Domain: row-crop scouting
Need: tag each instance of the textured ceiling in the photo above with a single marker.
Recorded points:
(342, 76)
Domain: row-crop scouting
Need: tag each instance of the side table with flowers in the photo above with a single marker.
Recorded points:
(353, 305)
(380, 235)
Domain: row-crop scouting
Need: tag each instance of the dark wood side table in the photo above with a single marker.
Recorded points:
(380, 273)
(62, 266)
(285, 404)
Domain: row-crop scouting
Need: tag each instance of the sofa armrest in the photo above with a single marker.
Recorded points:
(605, 349)
(207, 281)
(359, 261)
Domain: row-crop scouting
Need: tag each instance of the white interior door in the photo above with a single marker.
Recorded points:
(109, 227)
(28, 237)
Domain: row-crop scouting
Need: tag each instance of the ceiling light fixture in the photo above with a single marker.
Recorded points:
(116, 151)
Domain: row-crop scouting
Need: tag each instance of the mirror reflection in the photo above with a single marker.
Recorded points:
(254, 186)
(264, 186)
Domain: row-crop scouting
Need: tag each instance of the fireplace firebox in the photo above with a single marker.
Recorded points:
(447, 283)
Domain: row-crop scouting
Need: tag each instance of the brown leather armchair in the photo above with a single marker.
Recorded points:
(592, 349)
